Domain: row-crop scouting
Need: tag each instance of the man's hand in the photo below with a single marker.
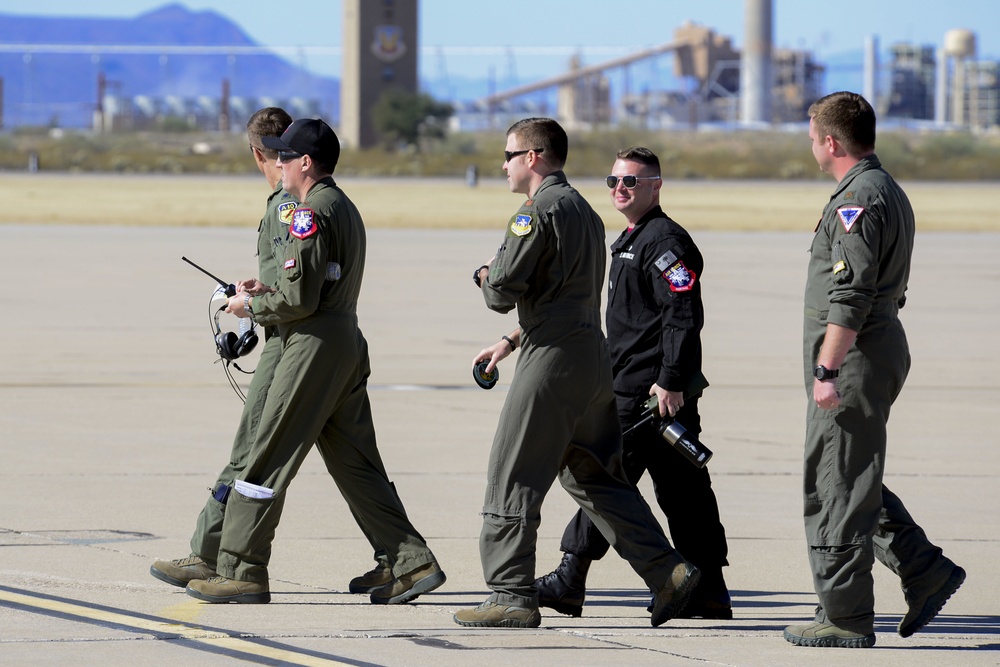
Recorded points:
(495, 353)
(498, 351)
(669, 403)
(253, 287)
(825, 394)
(235, 305)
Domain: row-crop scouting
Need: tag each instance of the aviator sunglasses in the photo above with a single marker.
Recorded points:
(629, 181)
(288, 156)
(510, 155)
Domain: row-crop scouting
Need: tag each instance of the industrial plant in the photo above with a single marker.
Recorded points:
(704, 80)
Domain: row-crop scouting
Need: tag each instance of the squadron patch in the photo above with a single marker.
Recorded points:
(303, 226)
(839, 266)
(521, 225)
(680, 278)
(285, 211)
(849, 215)
(289, 264)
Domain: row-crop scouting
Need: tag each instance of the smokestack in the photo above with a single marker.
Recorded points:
(941, 89)
(755, 63)
(869, 86)
(224, 107)
(102, 90)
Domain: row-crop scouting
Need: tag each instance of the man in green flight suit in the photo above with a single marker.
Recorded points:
(559, 419)
(856, 360)
(271, 233)
(319, 390)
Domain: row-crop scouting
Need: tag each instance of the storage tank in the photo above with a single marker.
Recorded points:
(959, 44)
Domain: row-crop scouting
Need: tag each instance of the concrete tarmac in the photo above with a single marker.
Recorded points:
(114, 420)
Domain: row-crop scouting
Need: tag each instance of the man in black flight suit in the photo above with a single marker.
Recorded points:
(654, 321)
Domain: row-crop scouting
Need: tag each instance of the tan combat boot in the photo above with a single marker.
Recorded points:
(827, 634)
(221, 589)
(492, 615)
(181, 571)
(377, 577)
(670, 600)
(410, 585)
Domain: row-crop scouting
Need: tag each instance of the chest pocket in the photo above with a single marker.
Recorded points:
(625, 291)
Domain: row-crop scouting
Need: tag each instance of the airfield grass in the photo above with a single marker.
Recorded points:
(442, 203)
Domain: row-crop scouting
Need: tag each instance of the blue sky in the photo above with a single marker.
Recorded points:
(524, 39)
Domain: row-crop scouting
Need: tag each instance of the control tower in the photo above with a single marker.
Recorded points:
(380, 52)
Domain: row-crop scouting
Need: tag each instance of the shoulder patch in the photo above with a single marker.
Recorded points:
(849, 215)
(285, 211)
(521, 225)
(680, 278)
(303, 226)
(665, 261)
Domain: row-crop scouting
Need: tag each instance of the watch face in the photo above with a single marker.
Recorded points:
(824, 373)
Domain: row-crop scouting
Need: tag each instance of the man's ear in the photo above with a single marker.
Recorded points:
(834, 147)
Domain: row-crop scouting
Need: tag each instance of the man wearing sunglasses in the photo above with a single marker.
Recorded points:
(319, 393)
(654, 320)
(272, 239)
(559, 419)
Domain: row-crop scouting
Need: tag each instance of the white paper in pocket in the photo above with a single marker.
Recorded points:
(252, 490)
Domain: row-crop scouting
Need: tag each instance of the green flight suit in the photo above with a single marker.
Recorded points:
(559, 419)
(857, 277)
(319, 395)
(208, 530)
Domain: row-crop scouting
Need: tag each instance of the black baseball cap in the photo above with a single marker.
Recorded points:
(308, 136)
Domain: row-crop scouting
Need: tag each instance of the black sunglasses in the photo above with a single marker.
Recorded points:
(629, 181)
(288, 156)
(510, 155)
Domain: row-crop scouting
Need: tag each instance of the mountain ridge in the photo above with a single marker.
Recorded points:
(49, 87)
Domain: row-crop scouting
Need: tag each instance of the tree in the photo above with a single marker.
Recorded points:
(402, 117)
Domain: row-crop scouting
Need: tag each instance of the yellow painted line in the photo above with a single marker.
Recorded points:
(184, 612)
(216, 639)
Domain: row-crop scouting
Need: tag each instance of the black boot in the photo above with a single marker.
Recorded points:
(564, 588)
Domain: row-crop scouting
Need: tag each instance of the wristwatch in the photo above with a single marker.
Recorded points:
(475, 275)
(822, 373)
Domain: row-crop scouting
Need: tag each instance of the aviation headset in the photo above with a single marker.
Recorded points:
(231, 346)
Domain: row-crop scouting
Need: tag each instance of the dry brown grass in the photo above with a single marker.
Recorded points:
(449, 203)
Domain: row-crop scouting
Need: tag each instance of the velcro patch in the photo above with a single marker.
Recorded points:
(849, 215)
(839, 266)
(285, 211)
(665, 261)
(521, 225)
(289, 264)
(680, 278)
(303, 226)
